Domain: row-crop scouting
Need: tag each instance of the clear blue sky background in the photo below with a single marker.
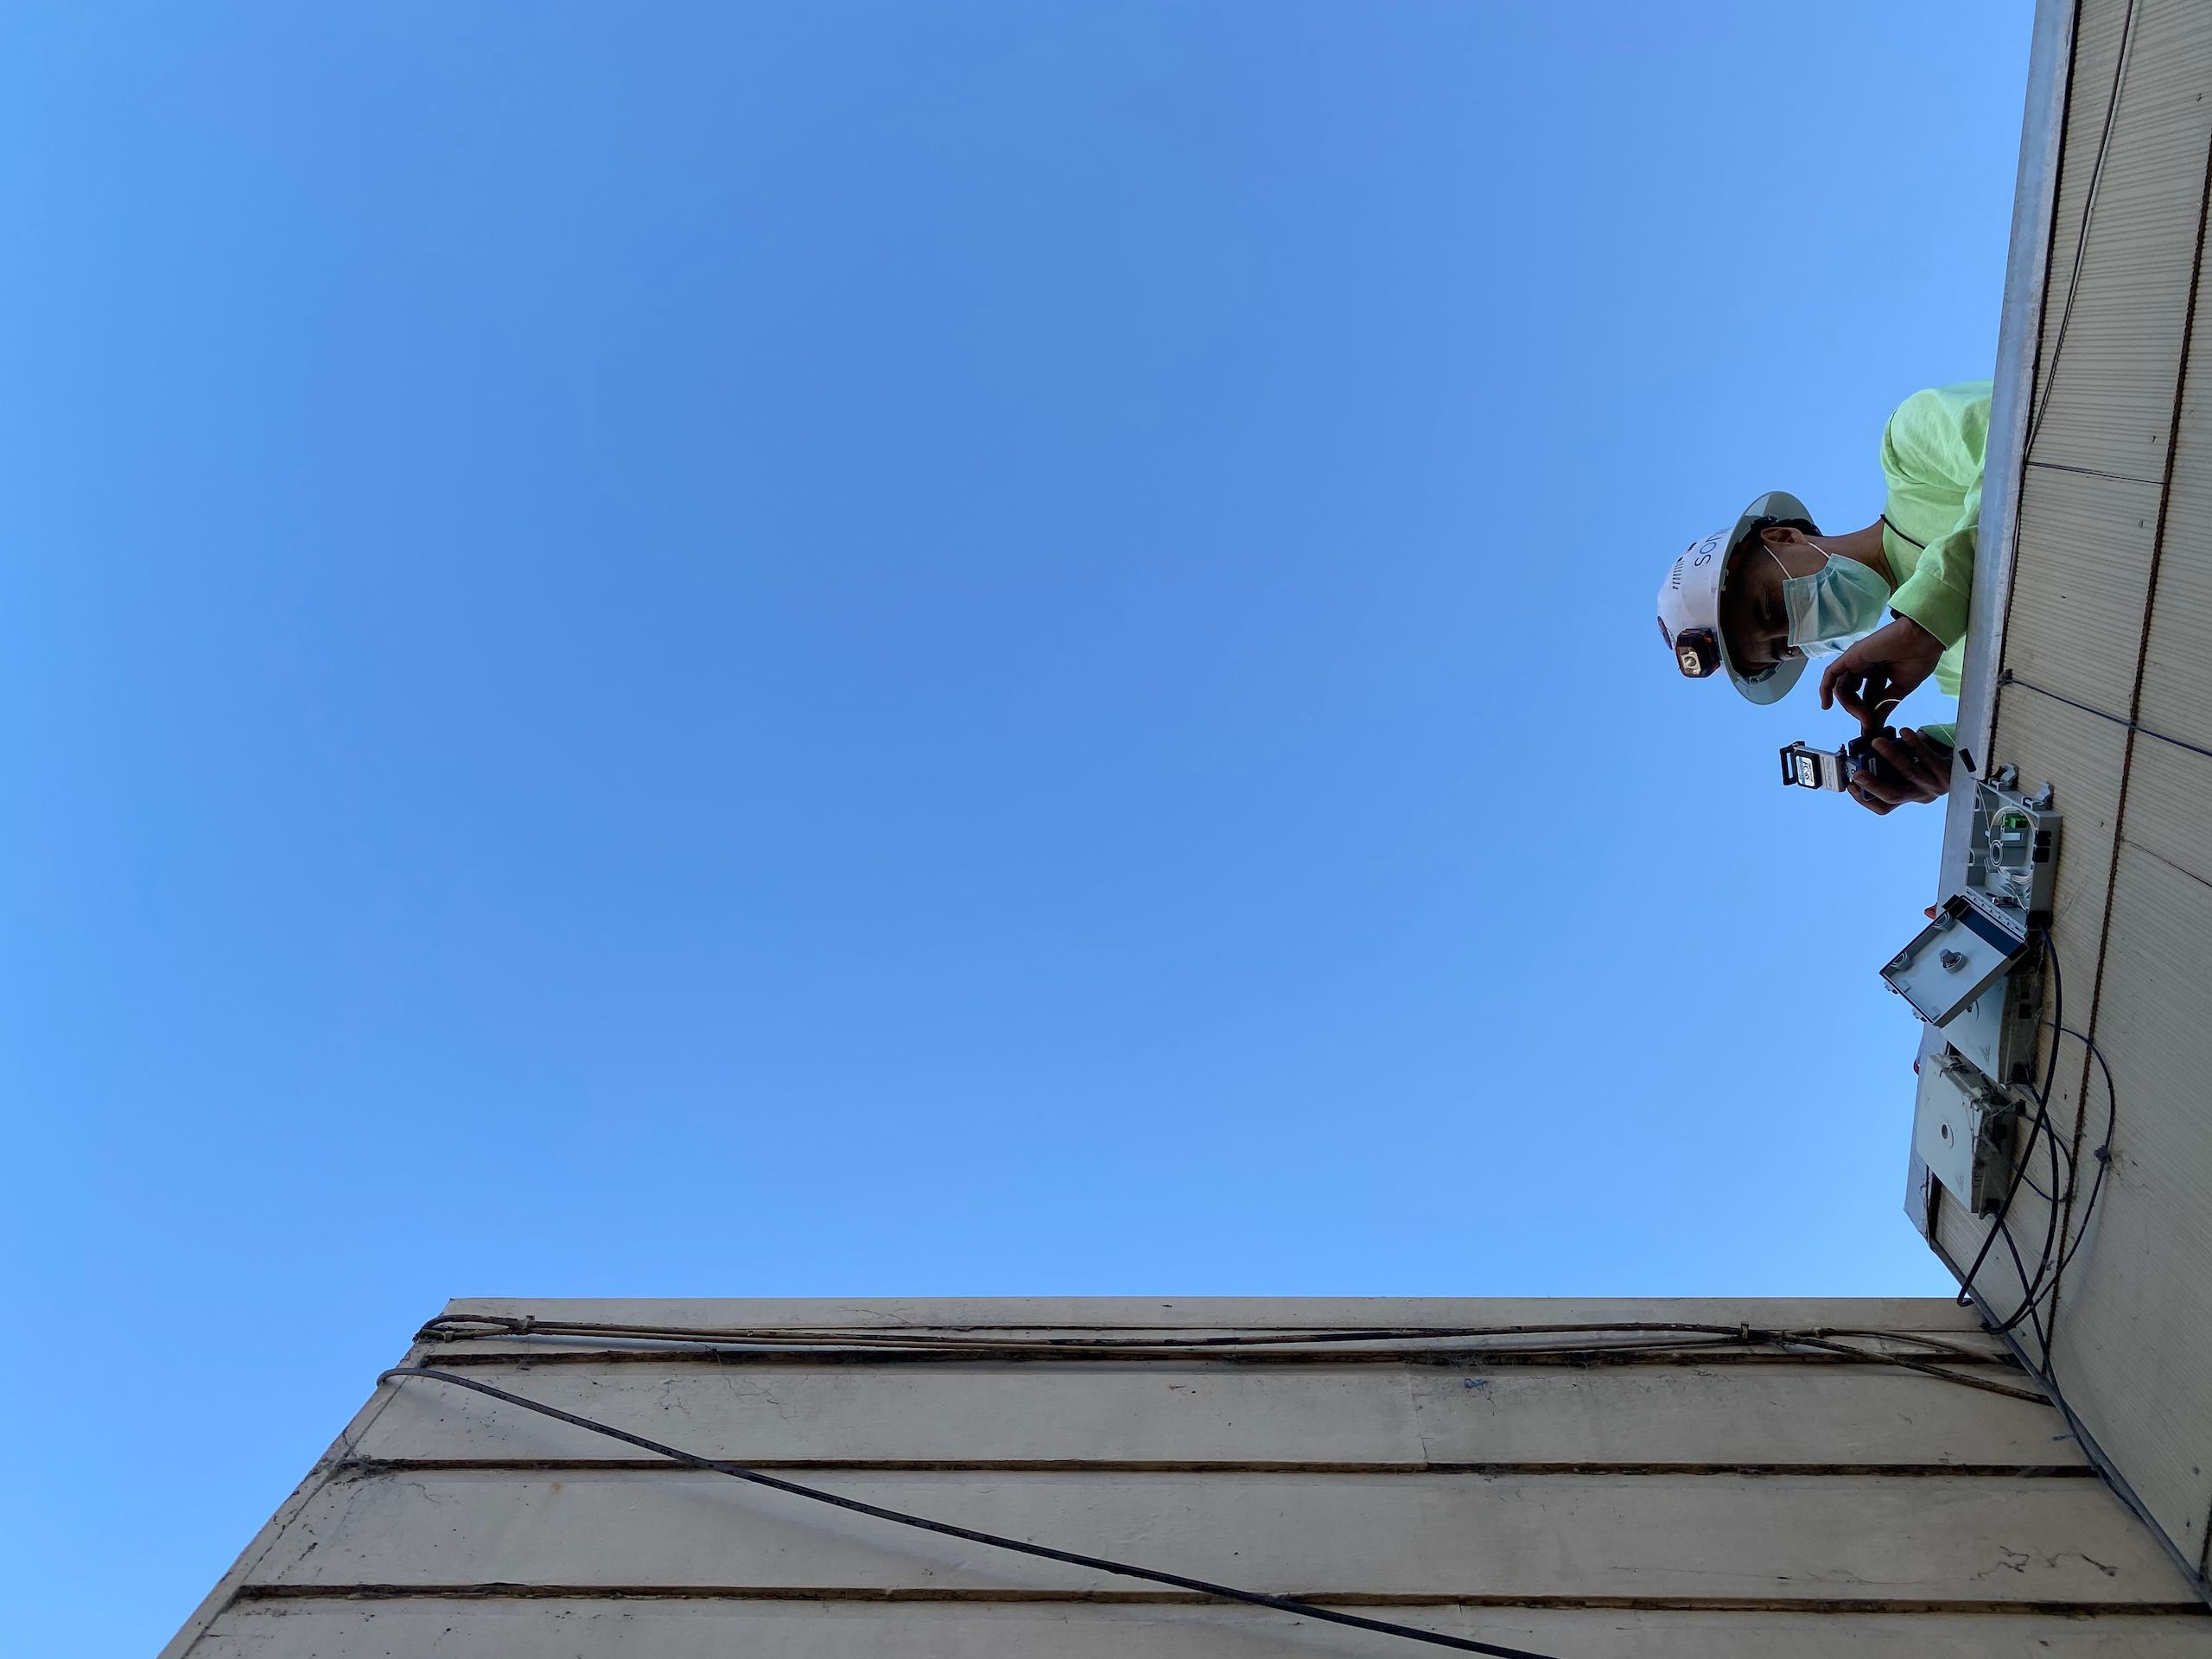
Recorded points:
(888, 649)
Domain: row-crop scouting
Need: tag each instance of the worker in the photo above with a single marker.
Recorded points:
(1761, 599)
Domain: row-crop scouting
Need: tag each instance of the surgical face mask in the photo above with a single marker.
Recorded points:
(1833, 608)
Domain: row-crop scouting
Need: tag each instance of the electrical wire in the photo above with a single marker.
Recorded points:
(2043, 1365)
(1968, 1295)
(2103, 1154)
(2066, 1190)
(1696, 1336)
(2008, 679)
(2032, 1291)
(2088, 208)
(2050, 1272)
(452, 1327)
(2000, 1230)
(2059, 1194)
(1258, 1598)
(2056, 1254)
(2028, 1308)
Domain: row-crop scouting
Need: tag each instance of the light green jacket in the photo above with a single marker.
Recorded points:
(1931, 462)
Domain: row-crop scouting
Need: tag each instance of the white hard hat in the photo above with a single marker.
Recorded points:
(1690, 604)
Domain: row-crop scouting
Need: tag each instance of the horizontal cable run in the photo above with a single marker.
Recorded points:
(2154, 852)
(2091, 472)
(457, 1327)
(1317, 1600)
(373, 1467)
(1680, 1342)
(1714, 1353)
(2009, 678)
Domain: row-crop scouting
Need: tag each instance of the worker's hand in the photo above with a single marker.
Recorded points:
(1914, 767)
(1874, 676)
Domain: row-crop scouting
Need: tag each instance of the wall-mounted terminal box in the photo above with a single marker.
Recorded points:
(1967, 1131)
(1974, 973)
(1997, 1030)
(1962, 953)
(2013, 855)
(1982, 932)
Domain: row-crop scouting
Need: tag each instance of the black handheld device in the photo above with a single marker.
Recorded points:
(1804, 766)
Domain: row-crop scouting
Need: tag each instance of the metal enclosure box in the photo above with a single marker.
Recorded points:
(1966, 950)
(1964, 1130)
(1973, 973)
(1997, 1030)
(1982, 932)
(2013, 853)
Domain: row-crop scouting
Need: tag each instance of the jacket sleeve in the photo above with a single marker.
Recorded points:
(1937, 440)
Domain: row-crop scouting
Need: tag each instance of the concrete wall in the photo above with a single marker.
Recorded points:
(1608, 1491)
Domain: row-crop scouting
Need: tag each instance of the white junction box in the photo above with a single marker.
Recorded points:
(1965, 951)
(1974, 975)
(1965, 1129)
(1997, 1030)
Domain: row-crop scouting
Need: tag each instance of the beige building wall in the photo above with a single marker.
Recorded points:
(1590, 1479)
(2097, 677)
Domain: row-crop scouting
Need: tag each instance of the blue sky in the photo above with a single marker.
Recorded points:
(884, 649)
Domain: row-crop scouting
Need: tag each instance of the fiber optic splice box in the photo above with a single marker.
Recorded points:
(1974, 973)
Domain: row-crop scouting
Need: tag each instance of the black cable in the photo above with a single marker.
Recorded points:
(2052, 1239)
(2057, 1255)
(2008, 677)
(2047, 1370)
(1821, 1339)
(1285, 1604)
(1924, 1369)
(2057, 1010)
(1967, 1296)
(2000, 1227)
(2103, 1156)
(2103, 1153)
(2032, 1293)
(2089, 207)
(454, 1327)
(2065, 1189)
(2031, 1290)
(2030, 1310)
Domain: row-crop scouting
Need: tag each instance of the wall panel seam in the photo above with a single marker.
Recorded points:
(2128, 756)
(2033, 359)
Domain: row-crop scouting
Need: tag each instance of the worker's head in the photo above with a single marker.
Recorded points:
(1759, 599)
(1714, 618)
(1754, 620)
